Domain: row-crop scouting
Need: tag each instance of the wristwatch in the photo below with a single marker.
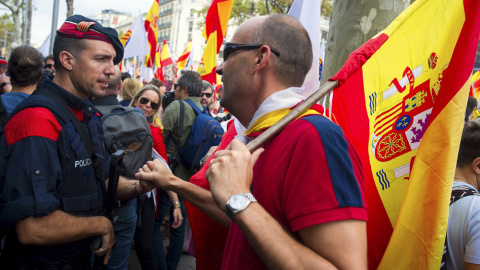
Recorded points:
(238, 202)
(3, 84)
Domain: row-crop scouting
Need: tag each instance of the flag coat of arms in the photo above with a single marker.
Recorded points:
(151, 26)
(402, 100)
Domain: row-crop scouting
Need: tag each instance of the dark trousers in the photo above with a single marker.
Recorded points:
(144, 233)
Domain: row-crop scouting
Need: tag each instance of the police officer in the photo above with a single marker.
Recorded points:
(52, 188)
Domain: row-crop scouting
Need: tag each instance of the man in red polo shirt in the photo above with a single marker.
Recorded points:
(299, 201)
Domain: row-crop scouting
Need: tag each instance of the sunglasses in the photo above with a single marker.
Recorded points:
(49, 65)
(233, 47)
(144, 101)
(208, 95)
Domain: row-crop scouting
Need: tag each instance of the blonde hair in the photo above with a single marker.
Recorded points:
(153, 119)
(130, 86)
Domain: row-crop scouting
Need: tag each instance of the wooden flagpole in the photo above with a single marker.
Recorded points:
(294, 114)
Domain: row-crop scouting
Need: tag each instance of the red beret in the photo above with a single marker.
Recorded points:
(78, 26)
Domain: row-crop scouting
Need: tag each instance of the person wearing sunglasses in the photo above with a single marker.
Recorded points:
(49, 64)
(206, 98)
(298, 203)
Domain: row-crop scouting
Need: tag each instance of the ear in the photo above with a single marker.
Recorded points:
(66, 60)
(262, 58)
(476, 165)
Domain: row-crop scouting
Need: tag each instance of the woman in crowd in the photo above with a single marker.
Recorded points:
(129, 88)
(25, 68)
(149, 100)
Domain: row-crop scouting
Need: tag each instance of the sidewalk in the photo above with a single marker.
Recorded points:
(187, 262)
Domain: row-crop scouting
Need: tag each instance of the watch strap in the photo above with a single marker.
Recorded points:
(229, 211)
(250, 197)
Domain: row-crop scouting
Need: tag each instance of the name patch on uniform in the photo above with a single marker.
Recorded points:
(83, 162)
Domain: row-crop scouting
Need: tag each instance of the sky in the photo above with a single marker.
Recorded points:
(43, 10)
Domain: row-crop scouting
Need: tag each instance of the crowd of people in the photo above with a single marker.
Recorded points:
(277, 211)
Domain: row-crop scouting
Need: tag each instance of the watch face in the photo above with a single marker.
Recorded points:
(238, 202)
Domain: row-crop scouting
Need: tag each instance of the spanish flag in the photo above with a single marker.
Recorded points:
(476, 83)
(402, 100)
(162, 59)
(208, 66)
(217, 20)
(182, 60)
(165, 58)
(152, 34)
(214, 32)
(120, 66)
(159, 72)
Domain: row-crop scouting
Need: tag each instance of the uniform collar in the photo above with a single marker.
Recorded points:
(105, 101)
(69, 98)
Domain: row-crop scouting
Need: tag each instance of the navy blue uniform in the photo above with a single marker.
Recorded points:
(45, 166)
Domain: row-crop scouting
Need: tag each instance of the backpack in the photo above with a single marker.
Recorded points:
(3, 115)
(127, 129)
(206, 132)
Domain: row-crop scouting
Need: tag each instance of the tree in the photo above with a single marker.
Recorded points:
(15, 6)
(7, 30)
(69, 7)
(352, 24)
(28, 21)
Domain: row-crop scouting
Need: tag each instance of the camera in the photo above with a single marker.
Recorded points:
(48, 73)
(173, 161)
(168, 98)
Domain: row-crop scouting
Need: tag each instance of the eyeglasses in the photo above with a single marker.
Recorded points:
(233, 47)
(176, 85)
(208, 95)
(144, 101)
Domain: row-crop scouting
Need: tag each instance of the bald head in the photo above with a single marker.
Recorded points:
(114, 83)
(285, 34)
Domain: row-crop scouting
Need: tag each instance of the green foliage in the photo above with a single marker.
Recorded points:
(327, 8)
(6, 24)
(120, 34)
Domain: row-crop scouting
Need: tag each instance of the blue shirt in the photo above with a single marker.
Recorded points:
(10, 100)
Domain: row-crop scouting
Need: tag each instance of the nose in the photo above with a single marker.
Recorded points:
(220, 69)
(110, 69)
